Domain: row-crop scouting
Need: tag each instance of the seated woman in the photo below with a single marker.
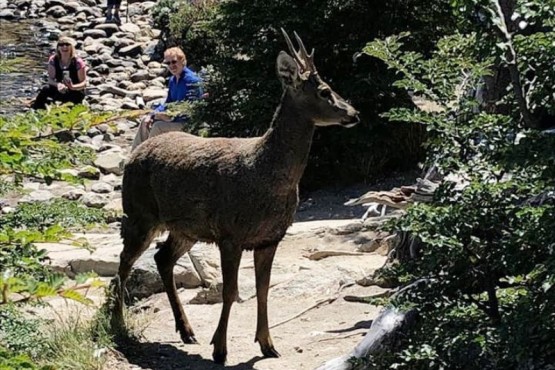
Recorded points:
(185, 85)
(67, 76)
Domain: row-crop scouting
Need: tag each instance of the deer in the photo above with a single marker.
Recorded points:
(239, 193)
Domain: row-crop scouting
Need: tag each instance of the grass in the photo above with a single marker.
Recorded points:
(70, 337)
(10, 65)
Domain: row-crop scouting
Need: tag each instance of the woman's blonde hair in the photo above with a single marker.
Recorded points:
(66, 40)
(175, 52)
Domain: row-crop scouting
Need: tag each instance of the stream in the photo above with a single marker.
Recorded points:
(24, 41)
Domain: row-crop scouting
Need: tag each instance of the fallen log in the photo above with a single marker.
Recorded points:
(383, 331)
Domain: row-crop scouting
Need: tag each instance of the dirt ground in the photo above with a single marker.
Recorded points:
(313, 322)
(317, 323)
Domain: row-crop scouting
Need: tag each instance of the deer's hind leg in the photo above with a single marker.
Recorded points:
(263, 259)
(170, 251)
(230, 256)
(137, 235)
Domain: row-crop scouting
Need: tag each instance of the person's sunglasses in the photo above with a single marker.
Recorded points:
(171, 62)
(63, 44)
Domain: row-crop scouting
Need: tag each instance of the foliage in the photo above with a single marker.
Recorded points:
(36, 145)
(42, 215)
(486, 251)
(9, 65)
(29, 143)
(19, 334)
(10, 361)
(24, 270)
(241, 41)
(68, 342)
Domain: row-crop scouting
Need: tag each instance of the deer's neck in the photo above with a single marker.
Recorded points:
(287, 143)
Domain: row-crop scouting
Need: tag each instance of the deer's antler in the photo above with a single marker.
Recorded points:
(305, 60)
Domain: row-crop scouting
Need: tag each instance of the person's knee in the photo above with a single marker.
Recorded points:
(161, 127)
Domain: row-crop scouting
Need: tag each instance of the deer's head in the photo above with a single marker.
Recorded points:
(298, 74)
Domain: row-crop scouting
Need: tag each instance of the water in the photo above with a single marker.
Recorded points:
(22, 40)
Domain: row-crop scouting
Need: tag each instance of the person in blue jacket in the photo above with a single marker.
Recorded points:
(185, 85)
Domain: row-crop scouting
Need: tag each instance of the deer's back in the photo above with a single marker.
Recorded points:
(212, 188)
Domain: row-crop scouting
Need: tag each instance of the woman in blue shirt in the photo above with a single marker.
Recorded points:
(185, 85)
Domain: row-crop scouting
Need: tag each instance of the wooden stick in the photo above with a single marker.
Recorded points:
(315, 305)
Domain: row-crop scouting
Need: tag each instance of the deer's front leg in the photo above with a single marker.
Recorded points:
(230, 256)
(263, 259)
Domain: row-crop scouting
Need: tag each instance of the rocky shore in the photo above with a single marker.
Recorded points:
(124, 69)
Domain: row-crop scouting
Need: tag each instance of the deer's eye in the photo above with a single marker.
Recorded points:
(325, 93)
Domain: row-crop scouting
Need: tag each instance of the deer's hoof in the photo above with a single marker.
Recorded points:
(270, 352)
(219, 357)
(189, 339)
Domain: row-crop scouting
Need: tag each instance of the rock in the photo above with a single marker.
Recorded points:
(7, 209)
(130, 106)
(93, 131)
(139, 76)
(121, 92)
(115, 206)
(71, 6)
(145, 279)
(73, 194)
(83, 139)
(7, 14)
(56, 11)
(136, 86)
(110, 162)
(108, 28)
(89, 172)
(131, 50)
(69, 171)
(72, 260)
(113, 180)
(37, 196)
(94, 200)
(152, 94)
(130, 27)
(101, 188)
(91, 12)
(81, 26)
(95, 33)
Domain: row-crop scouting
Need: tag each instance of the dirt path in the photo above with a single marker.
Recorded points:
(306, 297)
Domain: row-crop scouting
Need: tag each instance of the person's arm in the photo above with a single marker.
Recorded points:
(52, 77)
(82, 75)
(194, 88)
(169, 98)
(158, 113)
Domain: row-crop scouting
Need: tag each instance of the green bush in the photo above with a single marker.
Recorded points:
(486, 244)
(42, 215)
(241, 41)
(35, 145)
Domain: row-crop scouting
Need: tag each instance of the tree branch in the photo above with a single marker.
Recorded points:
(511, 58)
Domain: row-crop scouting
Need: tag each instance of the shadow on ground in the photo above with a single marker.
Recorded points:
(328, 204)
(163, 356)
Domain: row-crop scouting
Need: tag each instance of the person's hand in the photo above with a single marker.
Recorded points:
(68, 84)
(147, 121)
(61, 88)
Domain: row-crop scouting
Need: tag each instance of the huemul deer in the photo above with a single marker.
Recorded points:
(240, 193)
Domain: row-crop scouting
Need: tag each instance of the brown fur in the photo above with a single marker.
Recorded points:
(238, 193)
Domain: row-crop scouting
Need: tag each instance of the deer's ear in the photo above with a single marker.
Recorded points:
(288, 70)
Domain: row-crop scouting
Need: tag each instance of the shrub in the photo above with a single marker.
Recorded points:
(486, 244)
(241, 41)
